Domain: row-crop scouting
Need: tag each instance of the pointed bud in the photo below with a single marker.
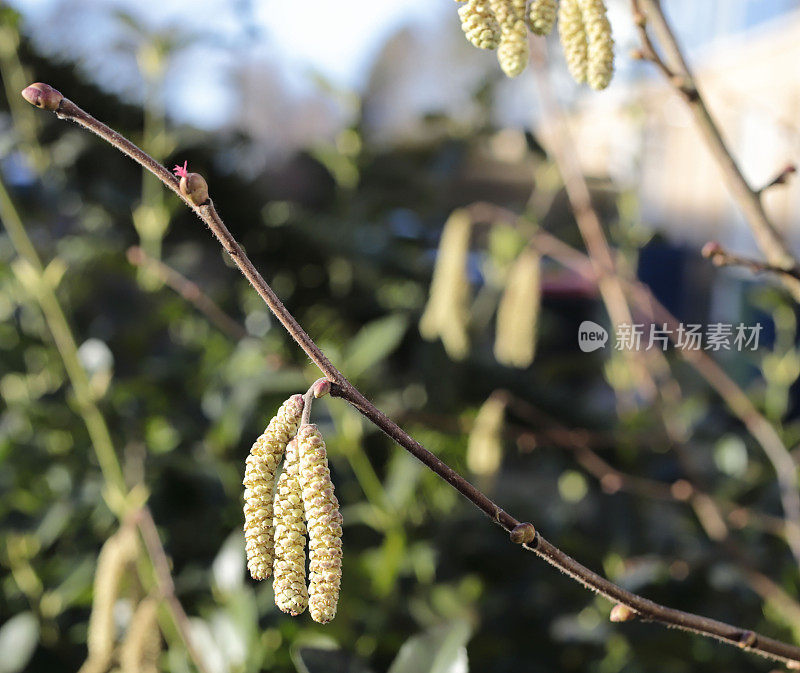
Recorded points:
(621, 613)
(321, 388)
(43, 96)
(523, 533)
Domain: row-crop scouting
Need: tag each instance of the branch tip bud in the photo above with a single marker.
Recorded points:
(523, 533)
(621, 613)
(42, 96)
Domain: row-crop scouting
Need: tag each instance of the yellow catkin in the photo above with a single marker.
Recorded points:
(572, 34)
(289, 585)
(542, 16)
(600, 67)
(518, 313)
(512, 53)
(324, 524)
(259, 483)
(479, 25)
(446, 314)
(485, 444)
(118, 552)
(141, 649)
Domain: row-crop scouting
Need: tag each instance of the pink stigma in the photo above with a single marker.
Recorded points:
(181, 171)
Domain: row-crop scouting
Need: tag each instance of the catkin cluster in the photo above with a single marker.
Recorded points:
(583, 28)
(277, 519)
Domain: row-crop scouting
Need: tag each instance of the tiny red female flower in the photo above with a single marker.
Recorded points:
(181, 171)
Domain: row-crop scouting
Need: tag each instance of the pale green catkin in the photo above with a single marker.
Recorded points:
(518, 313)
(446, 314)
(324, 524)
(118, 552)
(600, 65)
(485, 444)
(289, 585)
(542, 16)
(479, 24)
(512, 54)
(141, 649)
(572, 34)
(259, 483)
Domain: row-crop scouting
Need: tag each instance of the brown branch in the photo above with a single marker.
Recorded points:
(188, 290)
(341, 387)
(648, 14)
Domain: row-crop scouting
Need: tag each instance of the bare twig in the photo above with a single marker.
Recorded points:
(721, 257)
(341, 387)
(648, 14)
(189, 290)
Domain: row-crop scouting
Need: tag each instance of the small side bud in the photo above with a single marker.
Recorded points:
(43, 96)
(621, 613)
(747, 639)
(321, 388)
(711, 249)
(193, 185)
(523, 533)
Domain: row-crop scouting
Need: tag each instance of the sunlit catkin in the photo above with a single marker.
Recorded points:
(118, 552)
(485, 444)
(518, 313)
(512, 53)
(446, 314)
(289, 585)
(140, 651)
(259, 483)
(600, 66)
(479, 24)
(542, 16)
(324, 525)
(572, 34)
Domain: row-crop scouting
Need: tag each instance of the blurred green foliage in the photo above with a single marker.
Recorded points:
(348, 243)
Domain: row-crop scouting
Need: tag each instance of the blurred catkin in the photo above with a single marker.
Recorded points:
(542, 16)
(572, 34)
(485, 444)
(446, 315)
(117, 554)
(141, 649)
(324, 525)
(479, 24)
(518, 313)
(259, 483)
(600, 66)
(513, 50)
(289, 585)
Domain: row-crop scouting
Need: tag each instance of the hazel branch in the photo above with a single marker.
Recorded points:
(48, 98)
(718, 256)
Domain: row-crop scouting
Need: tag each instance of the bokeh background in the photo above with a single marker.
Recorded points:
(337, 139)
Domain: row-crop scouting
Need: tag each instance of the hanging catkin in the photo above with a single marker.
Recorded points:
(324, 524)
(600, 65)
(572, 34)
(542, 16)
(518, 313)
(447, 312)
(118, 552)
(259, 482)
(485, 444)
(140, 651)
(512, 53)
(479, 24)
(289, 585)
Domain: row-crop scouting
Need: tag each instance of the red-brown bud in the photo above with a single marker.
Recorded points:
(43, 96)
(523, 533)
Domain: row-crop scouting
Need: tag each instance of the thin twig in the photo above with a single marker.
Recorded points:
(341, 387)
(648, 14)
(721, 257)
(152, 541)
(189, 290)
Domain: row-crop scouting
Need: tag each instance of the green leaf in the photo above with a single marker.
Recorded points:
(442, 649)
(18, 639)
(374, 342)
